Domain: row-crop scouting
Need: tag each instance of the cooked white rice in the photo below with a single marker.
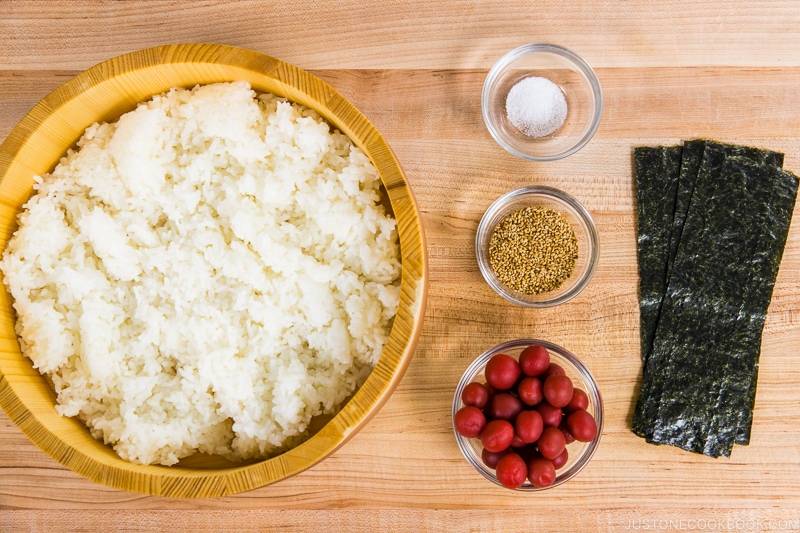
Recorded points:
(206, 274)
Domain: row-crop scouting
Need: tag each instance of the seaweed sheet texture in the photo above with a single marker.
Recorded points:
(657, 171)
(712, 156)
(727, 235)
(691, 158)
(663, 196)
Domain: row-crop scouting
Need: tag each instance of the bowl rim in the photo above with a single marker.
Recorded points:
(188, 65)
(566, 53)
(581, 369)
(483, 233)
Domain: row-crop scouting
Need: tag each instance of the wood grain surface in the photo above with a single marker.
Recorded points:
(670, 71)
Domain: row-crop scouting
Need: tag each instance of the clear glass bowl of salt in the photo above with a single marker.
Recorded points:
(542, 102)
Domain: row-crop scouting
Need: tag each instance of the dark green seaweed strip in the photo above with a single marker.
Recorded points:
(778, 190)
(657, 172)
(701, 333)
(714, 156)
(691, 159)
(706, 318)
(746, 422)
(672, 366)
(661, 371)
(768, 157)
(649, 396)
(774, 159)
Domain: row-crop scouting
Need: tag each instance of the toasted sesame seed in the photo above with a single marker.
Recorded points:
(533, 250)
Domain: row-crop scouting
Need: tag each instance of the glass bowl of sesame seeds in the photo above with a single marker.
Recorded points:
(537, 246)
(542, 102)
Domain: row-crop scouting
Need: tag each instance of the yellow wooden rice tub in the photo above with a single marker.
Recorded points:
(105, 92)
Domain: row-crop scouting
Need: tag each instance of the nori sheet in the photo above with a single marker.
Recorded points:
(777, 189)
(717, 155)
(691, 159)
(735, 279)
(691, 156)
(695, 335)
(645, 422)
(657, 171)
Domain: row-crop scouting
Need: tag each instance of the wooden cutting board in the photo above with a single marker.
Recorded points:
(670, 71)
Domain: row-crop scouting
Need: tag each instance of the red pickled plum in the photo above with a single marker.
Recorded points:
(530, 391)
(582, 426)
(505, 406)
(534, 360)
(541, 472)
(551, 443)
(553, 370)
(469, 421)
(511, 471)
(557, 390)
(497, 435)
(561, 460)
(551, 416)
(529, 426)
(565, 430)
(502, 371)
(475, 394)
(490, 459)
(579, 402)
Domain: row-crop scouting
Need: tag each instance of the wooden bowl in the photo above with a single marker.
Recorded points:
(105, 92)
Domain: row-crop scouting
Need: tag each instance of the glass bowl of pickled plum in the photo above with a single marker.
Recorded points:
(527, 415)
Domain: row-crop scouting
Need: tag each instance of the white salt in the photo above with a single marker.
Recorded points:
(536, 106)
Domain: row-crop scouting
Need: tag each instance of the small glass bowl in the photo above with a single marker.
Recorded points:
(574, 77)
(577, 216)
(579, 452)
